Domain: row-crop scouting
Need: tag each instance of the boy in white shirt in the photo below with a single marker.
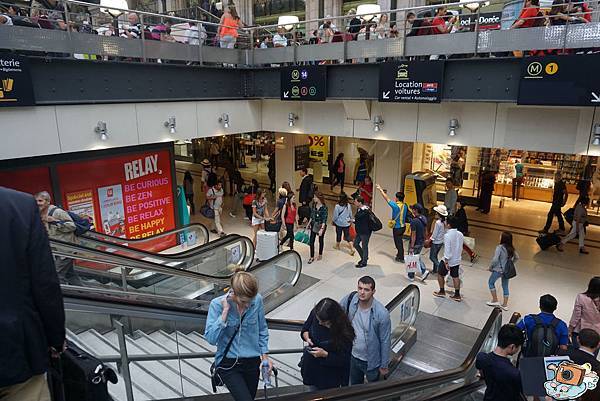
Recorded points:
(453, 246)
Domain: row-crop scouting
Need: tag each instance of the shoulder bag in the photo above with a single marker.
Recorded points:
(215, 377)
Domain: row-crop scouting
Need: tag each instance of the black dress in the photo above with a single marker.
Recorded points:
(330, 372)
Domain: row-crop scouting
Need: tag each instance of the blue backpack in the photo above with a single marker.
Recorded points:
(82, 224)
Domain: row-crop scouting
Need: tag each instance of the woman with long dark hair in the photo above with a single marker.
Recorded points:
(586, 312)
(290, 215)
(339, 172)
(318, 225)
(329, 334)
(505, 251)
(188, 188)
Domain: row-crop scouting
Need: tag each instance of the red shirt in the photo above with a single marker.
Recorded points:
(290, 214)
(438, 22)
(528, 15)
(365, 195)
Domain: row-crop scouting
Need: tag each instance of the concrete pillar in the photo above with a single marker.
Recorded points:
(245, 10)
(331, 7)
(284, 158)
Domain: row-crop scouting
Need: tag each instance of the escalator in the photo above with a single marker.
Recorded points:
(162, 354)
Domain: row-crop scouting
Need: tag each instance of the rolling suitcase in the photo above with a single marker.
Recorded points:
(267, 244)
(545, 241)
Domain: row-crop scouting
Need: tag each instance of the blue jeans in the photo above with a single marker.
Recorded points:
(417, 251)
(492, 282)
(433, 255)
(358, 371)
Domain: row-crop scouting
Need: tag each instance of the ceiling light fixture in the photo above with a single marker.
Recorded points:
(377, 123)
(171, 123)
(453, 126)
(224, 119)
(292, 119)
(596, 140)
(101, 130)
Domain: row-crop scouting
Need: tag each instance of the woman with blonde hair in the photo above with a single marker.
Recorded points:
(236, 324)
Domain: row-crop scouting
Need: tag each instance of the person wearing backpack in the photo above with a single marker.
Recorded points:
(61, 227)
(545, 334)
(363, 230)
(373, 328)
(398, 220)
(500, 266)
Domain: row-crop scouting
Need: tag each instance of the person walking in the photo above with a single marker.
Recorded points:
(436, 240)
(517, 182)
(306, 194)
(60, 227)
(363, 231)
(373, 328)
(488, 180)
(365, 189)
(260, 213)
(277, 217)
(214, 197)
(339, 172)
(342, 219)
(586, 311)
(559, 200)
(505, 251)
(580, 221)
(453, 247)
(418, 227)
(502, 378)
(236, 324)
(463, 226)
(32, 317)
(450, 197)
(188, 188)
(228, 28)
(289, 214)
(361, 170)
(329, 335)
(318, 225)
(398, 221)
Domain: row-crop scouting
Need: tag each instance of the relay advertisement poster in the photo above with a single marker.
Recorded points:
(132, 193)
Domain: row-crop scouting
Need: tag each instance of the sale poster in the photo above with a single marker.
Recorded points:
(319, 147)
(111, 210)
(82, 203)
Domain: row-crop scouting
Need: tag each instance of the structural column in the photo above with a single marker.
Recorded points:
(284, 159)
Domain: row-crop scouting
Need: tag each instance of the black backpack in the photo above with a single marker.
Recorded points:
(543, 341)
(374, 222)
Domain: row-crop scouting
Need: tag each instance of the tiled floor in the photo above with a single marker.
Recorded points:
(561, 274)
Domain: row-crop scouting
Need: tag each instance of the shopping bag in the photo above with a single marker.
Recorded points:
(352, 232)
(302, 236)
(412, 263)
(450, 281)
(470, 242)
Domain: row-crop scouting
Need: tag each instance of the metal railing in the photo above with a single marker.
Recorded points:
(408, 32)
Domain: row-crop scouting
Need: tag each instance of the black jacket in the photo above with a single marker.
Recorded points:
(361, 221)
(306, 189)
(31, 308)
(330, 372)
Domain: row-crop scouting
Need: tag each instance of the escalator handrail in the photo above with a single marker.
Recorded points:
(266, 264)
(383, 388)
(97, 235)
(457, 393)
(122, 260)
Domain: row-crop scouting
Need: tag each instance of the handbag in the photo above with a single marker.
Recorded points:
(509, 271)
(248, 199)
(392, 222)
(207, 211)
(215, 378)
(412, 263)
(352, 231)
(272, 227)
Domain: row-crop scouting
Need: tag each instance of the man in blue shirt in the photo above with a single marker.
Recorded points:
(399, 212)
(548, 305)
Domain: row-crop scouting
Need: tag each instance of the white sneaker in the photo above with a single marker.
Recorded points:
(411, 279)
(490, 303)
(425, 275)
(246, 218)
(232, 215)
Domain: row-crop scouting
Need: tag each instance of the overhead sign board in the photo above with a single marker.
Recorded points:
(307, 82)
(15, 82)
(411, 81)
(483, 21)
(560, 81)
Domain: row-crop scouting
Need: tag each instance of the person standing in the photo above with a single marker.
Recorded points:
(237, 189)
(228, 28)
(306, 193)
(60, 227)
(318, 225)
(32, 318)
(502, 378)
(373, 328)
(238, 318)
(188, 188)
(437, 236)
(260, 213)
(517, 182)
(453, 247)
(580, 220)
(559, 199)
(329, 334)
(536, 328)
(586, 312)
(363, 231)
(289, 217)
(214, 197)
(463, 226)
(342, 219)
(399, 213)
(450, 197)
(207, 174)
(488, 180)
(361, 170)
(505, 251)
(271, 171)
(418, 227)
(339, 172)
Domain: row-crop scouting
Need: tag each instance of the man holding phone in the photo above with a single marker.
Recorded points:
(373, 329)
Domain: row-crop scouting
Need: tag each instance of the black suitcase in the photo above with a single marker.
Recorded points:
(545, 241)
(85, 378)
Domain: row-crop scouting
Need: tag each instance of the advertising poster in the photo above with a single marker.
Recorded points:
(82, 203)
(29, 180)
(15, 81)
(319, 147)
(111, 210)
